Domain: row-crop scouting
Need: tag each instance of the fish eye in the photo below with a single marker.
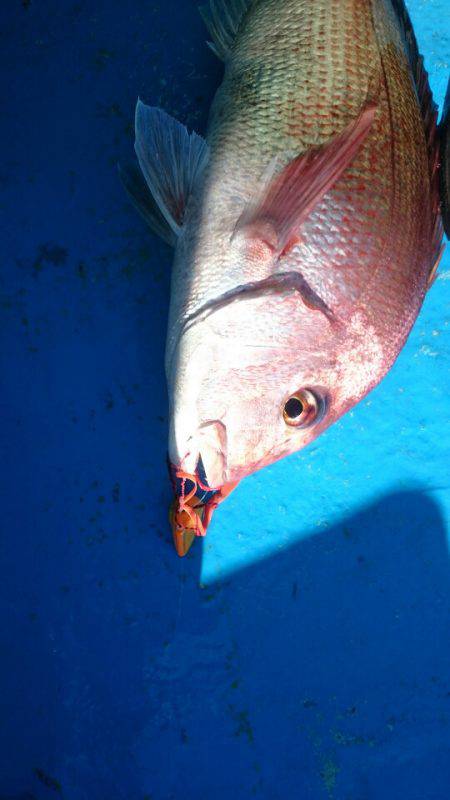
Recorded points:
(302, 408)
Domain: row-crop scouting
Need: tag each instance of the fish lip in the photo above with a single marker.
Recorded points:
(185, 483)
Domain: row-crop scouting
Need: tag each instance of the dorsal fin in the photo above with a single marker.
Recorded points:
(420, 74)
(223, 19)
(445, 163)
(430, 115)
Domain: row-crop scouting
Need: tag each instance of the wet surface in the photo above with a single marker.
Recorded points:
(303, 650)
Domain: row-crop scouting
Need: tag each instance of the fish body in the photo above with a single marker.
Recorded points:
(310, 228)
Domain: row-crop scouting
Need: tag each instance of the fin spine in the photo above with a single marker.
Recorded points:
(223, 19)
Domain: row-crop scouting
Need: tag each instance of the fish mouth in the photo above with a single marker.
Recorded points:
(193, 506)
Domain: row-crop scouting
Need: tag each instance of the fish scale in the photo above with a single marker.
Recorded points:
(306, 39)
(305, 242)
(370, 259)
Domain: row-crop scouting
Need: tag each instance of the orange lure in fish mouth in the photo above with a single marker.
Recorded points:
(193, 506)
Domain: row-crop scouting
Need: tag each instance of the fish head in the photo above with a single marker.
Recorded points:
(257, 378)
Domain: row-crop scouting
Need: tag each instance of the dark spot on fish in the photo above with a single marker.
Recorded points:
(49, 254)
(308, 703)
(26, 4)
(245, 85)
(361, 560)
(294, 590)
(47, 780)
(116, 493)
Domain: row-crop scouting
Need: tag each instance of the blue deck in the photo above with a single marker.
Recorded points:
(301, 653)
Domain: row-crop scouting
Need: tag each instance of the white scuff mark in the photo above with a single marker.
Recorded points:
(444, 276)
(427, 351)
(361, 364)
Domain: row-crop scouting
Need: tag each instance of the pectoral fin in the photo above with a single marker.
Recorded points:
(444, 132)
(171, 160)
(286, 200)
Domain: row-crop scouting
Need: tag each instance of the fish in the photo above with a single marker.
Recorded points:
(307, 228)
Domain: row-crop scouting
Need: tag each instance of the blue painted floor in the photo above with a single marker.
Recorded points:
(301, 653)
